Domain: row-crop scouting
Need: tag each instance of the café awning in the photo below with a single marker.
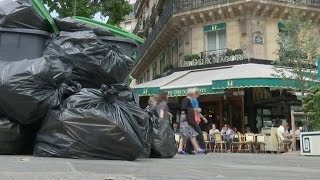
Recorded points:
(216, 80)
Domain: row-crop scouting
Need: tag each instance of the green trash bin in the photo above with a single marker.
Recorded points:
(127, 42)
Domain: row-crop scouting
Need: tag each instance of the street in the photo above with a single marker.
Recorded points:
(211, 166)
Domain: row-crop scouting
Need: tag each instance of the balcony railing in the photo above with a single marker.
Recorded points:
(175, 6)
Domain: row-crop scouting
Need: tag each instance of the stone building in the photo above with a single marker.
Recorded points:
(223, 47)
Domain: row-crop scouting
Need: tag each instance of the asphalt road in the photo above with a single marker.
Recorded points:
(211, 166)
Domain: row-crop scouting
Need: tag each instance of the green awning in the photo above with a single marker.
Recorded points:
(259, 82)
(204, 90)
(150, 91)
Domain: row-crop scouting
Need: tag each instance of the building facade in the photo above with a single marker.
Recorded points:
(130, 21)
(179, 31)
(223, 47)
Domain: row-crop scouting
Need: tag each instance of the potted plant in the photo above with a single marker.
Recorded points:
(238, 51)
(195, 57)
(188, 58)
(229, 52)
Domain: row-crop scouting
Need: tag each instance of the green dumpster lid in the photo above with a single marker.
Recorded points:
(44, 13)
(115, 30)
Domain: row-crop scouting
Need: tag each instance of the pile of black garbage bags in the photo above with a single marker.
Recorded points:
(74, 101)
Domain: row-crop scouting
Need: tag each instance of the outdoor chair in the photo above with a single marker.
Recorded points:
(206, 140)
(261, 142)
(236, 142)
(177, 138)
(219, 142)
(282, 146)
(249, 142)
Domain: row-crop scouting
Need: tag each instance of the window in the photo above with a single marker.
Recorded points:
(148, 75)
(162, 62)
(216, 40)
(154, 70)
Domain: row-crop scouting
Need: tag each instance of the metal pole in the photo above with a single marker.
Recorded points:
(74, 7)
(293, 125)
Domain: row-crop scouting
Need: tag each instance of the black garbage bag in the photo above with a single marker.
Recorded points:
(15, 138)
(163, 140)
(92, 124)
(70, 24)
(28, 88)
(93, 63)
(21, 14)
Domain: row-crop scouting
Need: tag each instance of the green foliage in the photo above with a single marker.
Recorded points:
(238, 51)
(230, 52)
(115, 9)
(195, 56)
(168, 67)
(187, 58)
(311, 104)
(299, 47)
(191, 57)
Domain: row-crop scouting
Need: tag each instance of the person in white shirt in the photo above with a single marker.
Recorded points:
(213, 130)
(284, 135)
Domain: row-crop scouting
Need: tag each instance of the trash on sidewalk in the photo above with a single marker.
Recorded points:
(29, 88)
(92, 124)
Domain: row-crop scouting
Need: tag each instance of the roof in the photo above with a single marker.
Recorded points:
(212, 80)
(205, 77)
(162, 81)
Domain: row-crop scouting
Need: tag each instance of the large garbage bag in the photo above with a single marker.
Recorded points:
(70, 24)
(93, 63)
(28, 88)
(92, 124)
(15, 138)
(21, 14)
(163, 140)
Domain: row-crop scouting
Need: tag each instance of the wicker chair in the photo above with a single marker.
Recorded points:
(177, 138)
(236, 142)
(261, 142)
(282, 146)
(249, 142)
(219, 142)
(206, 140)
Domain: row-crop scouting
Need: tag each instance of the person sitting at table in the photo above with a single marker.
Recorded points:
(227, 135)
(284, 135)
(213, 131)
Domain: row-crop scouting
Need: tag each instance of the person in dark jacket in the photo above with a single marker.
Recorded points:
(188, 124)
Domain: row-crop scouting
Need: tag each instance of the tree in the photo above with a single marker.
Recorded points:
(311, 104)
(67, 8)
(115, 9)
(299, 48)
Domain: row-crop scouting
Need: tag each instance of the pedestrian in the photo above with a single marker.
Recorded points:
(194, 94)
(188, 124)
(152, 104)
(162, 106)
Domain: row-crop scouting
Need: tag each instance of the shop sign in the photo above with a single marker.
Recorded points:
(214, 27)
(183, 91)
(211, 60)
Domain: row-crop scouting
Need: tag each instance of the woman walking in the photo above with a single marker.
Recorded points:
(188, 124)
